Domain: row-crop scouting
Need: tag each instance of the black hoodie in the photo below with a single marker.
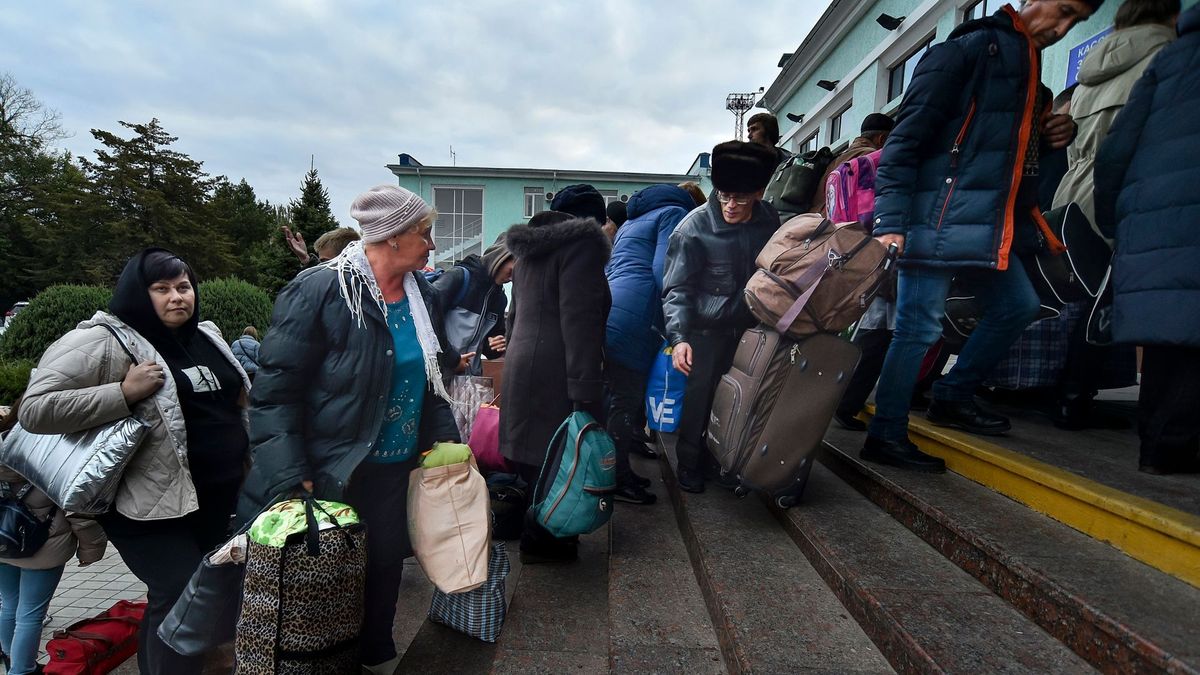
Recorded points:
(209, 386)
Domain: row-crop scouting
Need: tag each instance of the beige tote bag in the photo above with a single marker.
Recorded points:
(449, 523)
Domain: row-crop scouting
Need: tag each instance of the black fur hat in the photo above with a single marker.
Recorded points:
(739, 167)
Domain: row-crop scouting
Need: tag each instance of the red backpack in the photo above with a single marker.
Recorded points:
(850, 190)
(96, 645)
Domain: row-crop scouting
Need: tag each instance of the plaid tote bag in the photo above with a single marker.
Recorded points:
(479, 612)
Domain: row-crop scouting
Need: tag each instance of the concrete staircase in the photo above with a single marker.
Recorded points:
(876, 571)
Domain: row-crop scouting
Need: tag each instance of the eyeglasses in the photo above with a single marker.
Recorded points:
(740, 200)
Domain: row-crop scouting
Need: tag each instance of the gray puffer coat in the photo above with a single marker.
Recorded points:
(77, 386)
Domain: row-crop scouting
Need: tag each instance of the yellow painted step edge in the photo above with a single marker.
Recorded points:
(1160, 536)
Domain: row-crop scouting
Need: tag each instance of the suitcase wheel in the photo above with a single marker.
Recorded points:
(740, 492)
(786, 501)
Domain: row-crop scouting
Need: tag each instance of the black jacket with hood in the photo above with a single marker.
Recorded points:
(555, 359)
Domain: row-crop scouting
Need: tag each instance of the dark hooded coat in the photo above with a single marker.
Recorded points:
(1146, 178)
(555, 356)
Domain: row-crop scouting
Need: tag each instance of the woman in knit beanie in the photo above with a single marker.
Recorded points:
(351, 388)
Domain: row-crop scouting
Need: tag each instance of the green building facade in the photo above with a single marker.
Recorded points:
(476, 204)
(869, 65)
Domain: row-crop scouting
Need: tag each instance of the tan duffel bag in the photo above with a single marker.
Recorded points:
(817, 277)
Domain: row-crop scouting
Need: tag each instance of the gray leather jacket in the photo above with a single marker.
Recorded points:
(708, 264)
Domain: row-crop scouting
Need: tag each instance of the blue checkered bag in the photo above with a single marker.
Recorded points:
(479, 612)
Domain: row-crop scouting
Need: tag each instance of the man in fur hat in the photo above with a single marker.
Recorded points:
(710, 258)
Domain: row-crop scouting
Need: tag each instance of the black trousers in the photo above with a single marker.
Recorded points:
(1084, 365)
(626, 407)
(1169, 405)
(379, 493)
(874, 345)
(164, 554)
(712, 355)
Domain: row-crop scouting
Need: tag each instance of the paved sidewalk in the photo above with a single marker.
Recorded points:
(87, 591)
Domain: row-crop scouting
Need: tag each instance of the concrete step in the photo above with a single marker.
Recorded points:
(630, 604)
(1085, 479)
(772, 611)
(921, 612)
(1119, 614)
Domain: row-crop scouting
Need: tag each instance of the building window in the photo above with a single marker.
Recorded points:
(980, 9)
(458, 230)
(809, 144)
(901, 74)
(835, 123)
(610, 196)
(535, 200)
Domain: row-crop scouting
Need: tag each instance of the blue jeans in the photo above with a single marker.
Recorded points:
(24, 597)
(1009, 305)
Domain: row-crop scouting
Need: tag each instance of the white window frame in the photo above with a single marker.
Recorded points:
(455, 246)
(535, 200)
(610, 196)
(989, 8)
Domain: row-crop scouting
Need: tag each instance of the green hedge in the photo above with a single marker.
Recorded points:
(49, 316)
(233, 304)
(14, 376)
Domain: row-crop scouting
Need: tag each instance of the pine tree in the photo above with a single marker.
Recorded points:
(310, 214)
(156, 196)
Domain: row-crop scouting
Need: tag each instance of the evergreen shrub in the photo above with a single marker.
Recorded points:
(50, 315)
(14, 376)
(233, 304)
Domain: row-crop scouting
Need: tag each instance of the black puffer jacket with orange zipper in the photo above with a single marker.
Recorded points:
(950, 172)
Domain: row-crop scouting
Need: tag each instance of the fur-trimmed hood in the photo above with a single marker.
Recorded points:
(525, 241)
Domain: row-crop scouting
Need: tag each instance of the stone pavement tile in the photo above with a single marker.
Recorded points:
(649, 660)
(1011, 643)
(532, 662)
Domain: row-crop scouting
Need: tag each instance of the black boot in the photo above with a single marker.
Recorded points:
(849, 421)
(902, 455)
(968, 416)
(1075, 412)
(690, 480)
(632, 493)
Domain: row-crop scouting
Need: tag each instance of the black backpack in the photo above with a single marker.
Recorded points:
(22, 534)
(796, 182)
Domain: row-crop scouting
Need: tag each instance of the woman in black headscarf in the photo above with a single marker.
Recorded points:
(178, 492)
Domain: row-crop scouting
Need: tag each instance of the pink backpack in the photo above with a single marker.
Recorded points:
(850, 190)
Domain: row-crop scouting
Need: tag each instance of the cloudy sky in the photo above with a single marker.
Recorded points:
(253, 88)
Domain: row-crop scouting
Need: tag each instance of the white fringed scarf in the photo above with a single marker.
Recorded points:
(355, 278)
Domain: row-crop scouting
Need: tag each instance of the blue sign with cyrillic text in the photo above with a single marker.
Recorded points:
(1080, 52)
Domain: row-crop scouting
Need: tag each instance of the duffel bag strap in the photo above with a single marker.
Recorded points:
(810, 279)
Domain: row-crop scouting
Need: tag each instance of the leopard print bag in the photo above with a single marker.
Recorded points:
(302, 604)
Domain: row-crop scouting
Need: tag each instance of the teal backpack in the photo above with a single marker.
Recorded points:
(579, 500)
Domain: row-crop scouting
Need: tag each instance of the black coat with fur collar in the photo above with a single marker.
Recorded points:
(555, 354)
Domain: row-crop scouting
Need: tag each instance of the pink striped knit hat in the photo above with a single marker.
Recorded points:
(385, 211)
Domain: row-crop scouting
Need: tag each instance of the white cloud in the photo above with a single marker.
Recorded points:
(253, 89)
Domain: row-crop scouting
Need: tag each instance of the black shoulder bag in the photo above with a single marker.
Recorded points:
(22, 534)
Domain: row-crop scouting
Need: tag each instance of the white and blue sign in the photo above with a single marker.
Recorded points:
(1079, 53)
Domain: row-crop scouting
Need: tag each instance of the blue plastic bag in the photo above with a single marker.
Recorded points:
(664, 392)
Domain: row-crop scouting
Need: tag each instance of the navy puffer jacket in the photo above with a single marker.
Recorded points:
(950, 170)
(1146, 177)
(635, 275)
